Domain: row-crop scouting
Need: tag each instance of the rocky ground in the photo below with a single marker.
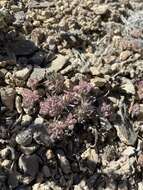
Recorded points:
(71, 95)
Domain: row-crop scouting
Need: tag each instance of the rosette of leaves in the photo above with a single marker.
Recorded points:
(54, 83)
(58, 129)
(52, 106)
(84, 88)
(85, 110)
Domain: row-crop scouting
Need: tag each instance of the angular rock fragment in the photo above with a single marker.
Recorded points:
(22, 47)
(140, 185)
(4, 63)
(37, 36)
(140, 160)
(12, 180)
(129, 151)
(36, 76)
(98, 82)
(90, 155)
(18, 104)
(58, 63)
(95, 70)
(100, 9)
(49, 185)
(19, 18)
(37, 58)
(26, 120)
(128, 86)
(125, 55)
(36, 4)
(7, 97)
(41, 136)
(64, 163)
(27, 150)
(91, 158)
(23, 74)
(29, 164)
(24, 138)
(46, 171)
(8, 152)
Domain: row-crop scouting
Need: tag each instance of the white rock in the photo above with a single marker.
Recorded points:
(24, 73)
(98, 81)
(6, 163)
(18, 104)
(90, 154)
(58, 63)
(26, 120)
(81, 186)
(95, 70)
(128, 86)
(24, 137)
(129, 151)
(38, 121)
(140, 185)
(100, 9)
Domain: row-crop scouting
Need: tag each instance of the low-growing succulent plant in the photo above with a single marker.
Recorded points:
(29, 97)
(85, 110)
(70, 121)
(52, 106)
(57, 129)
(54, 83)
(71, 99)
(83, 88)
(67, 107)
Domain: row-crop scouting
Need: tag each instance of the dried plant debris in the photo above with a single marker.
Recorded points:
(71, 94)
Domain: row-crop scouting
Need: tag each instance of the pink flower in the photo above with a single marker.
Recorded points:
(29, 98)
(56, 130)
(83, 88)
(52, 106)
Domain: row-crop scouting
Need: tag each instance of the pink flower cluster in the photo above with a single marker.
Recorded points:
(52, 106)
(56, 130)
